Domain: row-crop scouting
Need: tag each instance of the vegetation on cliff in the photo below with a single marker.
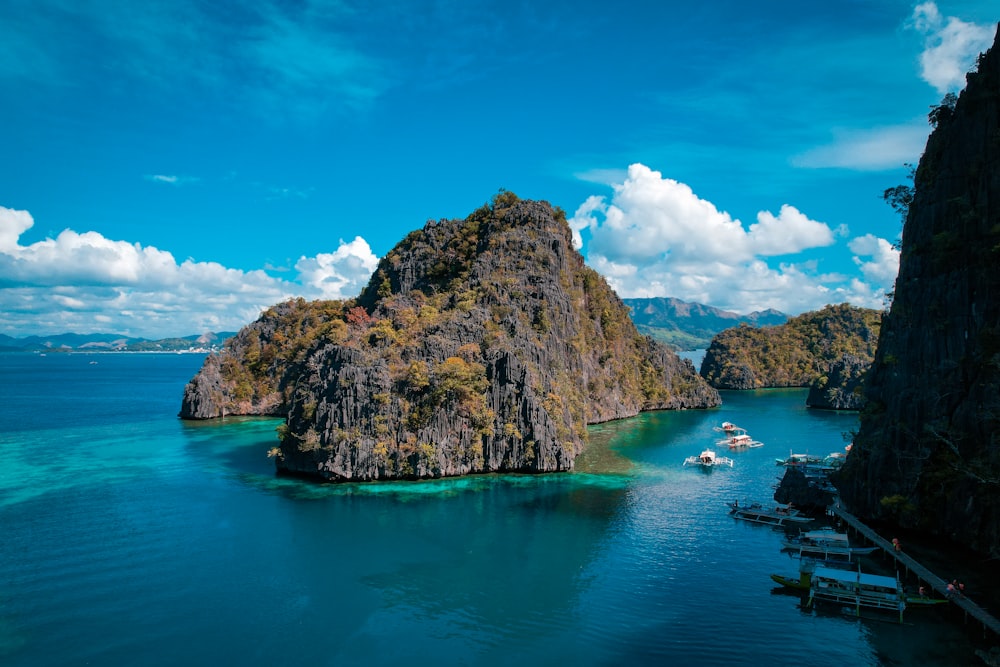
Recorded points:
(795, 354)
(927, 455)
(479, 345)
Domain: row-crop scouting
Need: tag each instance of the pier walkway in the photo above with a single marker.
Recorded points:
(935, 582)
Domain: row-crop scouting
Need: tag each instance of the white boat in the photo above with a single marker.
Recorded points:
(858, 589)
(797, 460)
(775, 516)
(740, 441)
(825, 543)
(729, 427)
(708, 459)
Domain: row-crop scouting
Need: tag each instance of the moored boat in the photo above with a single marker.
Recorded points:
(729, 427)
(708, 459)
(795, 460)
(826, 544)
(858, 589)
(778, 515)
(740, 441)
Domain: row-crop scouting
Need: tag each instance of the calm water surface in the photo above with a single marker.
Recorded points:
(130, 537)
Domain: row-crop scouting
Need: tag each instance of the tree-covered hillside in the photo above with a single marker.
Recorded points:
(794, 354)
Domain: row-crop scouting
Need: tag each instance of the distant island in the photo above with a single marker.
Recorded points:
(109, 342)
(680, 324)
(691, 326)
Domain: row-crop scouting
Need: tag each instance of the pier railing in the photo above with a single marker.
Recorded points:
(925, 575)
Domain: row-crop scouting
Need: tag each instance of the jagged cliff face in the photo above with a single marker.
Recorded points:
(842, 387)
(927, 454)
(479, 345)
(255, 372)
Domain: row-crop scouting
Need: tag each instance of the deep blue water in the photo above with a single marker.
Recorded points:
(132, 538)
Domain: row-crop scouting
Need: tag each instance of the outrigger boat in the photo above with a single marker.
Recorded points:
(797, 460)
(740, 440)
(804, 583)
(858, 589)
(729, 427)
(826, 544)
(776, 516)
(708, 459)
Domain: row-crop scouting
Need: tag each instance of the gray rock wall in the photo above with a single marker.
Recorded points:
(927, 455)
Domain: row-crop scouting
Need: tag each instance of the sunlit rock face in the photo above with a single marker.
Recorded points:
(927, 455)
(479, 345)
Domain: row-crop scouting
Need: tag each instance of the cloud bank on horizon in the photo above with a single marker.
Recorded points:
(87, 283)
(647, 233)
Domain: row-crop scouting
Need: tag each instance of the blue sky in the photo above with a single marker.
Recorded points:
(170, 168)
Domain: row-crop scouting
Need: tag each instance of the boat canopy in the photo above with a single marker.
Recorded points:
(851, 577)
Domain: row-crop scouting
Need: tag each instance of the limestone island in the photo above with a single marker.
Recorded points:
(479, 345)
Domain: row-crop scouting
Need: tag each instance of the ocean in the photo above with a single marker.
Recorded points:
(130, 537)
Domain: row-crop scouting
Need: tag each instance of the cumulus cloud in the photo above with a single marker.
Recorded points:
(950, 46)
(342, 272)
(656, 237)
(85, 282)
(788, 232)
(883, 266)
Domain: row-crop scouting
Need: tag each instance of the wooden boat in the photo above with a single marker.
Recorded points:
(708, 459)
(803, 583)
(923, 601)
(740, 441)
(775, 516)
(858, 589)
(826, 544)
(796, 460)
(729, 427)
(806, 568)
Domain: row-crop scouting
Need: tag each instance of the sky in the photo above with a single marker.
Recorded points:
(169, 168)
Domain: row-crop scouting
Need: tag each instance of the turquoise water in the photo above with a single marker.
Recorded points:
(132, 538)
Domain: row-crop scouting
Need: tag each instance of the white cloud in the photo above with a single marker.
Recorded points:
(651, 217)
(950, 46)
(85, 282)
(883, 266)
(584, 218)
(655, 237)
(789, 232)
(343, 272)
(869, 150)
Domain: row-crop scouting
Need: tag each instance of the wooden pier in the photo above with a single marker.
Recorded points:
(925, 575)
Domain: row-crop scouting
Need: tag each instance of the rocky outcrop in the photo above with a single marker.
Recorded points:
(811, 495)
(254, 372)
(795, 354)
(927, 454)
(842, 388)
(479, 345)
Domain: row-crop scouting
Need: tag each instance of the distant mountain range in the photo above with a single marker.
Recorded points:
(691, 326)
(74, 342)
(680, 324)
